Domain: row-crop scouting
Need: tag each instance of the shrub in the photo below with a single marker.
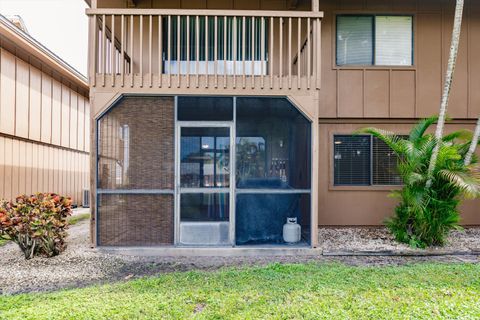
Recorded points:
(37, 223)
(425, 216)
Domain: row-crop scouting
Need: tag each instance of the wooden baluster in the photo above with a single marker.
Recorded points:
(252, 66)
(188, 51)
(169, 48)
(243, 53)
(150, 35)
(112, 51)
(160, 51)
(318, 55)
(215, 49)
(225, 51)
(94, 59)
(299, 50)
(206, 51)
(289, 53)
(141, 50)
(178, 51)
(309, 70)
(197, 42)
(270, 60)
(104, 44)
(262, 52)
(234, 53)
(122, 48)
(280, 74)
(132, 74)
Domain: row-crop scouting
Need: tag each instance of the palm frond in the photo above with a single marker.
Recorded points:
(418, 131)
(463, 134)
(467, 182)
(390, 138)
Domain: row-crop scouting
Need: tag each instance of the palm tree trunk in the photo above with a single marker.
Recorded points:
(473, 144)
(457, 26)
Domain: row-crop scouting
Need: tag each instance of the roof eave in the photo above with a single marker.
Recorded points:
(32, 46)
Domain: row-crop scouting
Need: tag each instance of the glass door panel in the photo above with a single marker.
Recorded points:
(204, 185)
(205, 157)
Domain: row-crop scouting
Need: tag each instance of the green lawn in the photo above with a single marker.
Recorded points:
(329, 291)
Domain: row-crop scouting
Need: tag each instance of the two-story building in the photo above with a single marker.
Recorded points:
(214, 121)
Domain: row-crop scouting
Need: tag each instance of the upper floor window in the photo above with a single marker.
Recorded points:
(374, 40)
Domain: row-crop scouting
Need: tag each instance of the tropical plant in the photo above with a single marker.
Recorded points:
(37, 223)
(425, 216)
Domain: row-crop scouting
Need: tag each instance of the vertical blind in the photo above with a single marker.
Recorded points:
(374, 40)
(228, 55)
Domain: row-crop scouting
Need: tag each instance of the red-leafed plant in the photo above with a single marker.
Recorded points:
(37, 223)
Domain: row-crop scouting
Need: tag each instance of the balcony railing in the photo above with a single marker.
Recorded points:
(266, 50)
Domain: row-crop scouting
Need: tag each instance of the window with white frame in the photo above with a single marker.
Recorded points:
(367, 40)
(363, 160)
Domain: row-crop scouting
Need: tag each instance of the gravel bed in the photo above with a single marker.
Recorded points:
(80, 265)
(380, 239)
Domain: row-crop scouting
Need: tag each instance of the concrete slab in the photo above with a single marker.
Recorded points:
(212, 251)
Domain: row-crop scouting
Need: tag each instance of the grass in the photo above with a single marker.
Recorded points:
(3, 242)
(78, 218)
(309, 291)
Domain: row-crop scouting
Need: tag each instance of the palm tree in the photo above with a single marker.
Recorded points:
(457, 26)
(425, 216)
(473, 145)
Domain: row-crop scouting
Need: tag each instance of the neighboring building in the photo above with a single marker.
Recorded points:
(44, 112)
(214, 121)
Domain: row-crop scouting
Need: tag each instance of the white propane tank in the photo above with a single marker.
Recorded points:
(291, 231)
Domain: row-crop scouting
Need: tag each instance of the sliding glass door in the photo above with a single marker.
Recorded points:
(205, 183)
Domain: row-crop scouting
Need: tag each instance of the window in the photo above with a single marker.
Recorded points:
(363, 160)
(374, 40)
(202, 44)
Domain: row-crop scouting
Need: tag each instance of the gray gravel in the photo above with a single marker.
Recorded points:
(80, 265)
(379, 239)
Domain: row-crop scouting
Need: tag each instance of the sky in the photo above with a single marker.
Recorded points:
(60, 25)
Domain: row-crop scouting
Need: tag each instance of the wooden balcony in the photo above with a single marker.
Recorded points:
(261, 52)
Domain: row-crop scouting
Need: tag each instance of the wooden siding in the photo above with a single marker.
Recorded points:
(43, 123)
(403, 92)
(27, 167)
(366, 205)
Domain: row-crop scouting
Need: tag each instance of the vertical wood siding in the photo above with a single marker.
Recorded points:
(42, 132)
(403, 92)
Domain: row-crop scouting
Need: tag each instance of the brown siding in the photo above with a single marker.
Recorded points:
(42, 129)
(369, 205)
(403, 92)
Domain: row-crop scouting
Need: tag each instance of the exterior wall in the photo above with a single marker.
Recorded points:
(391, 97)
(403, 92)
(365, 205)
(43, 130)
(353, 97)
